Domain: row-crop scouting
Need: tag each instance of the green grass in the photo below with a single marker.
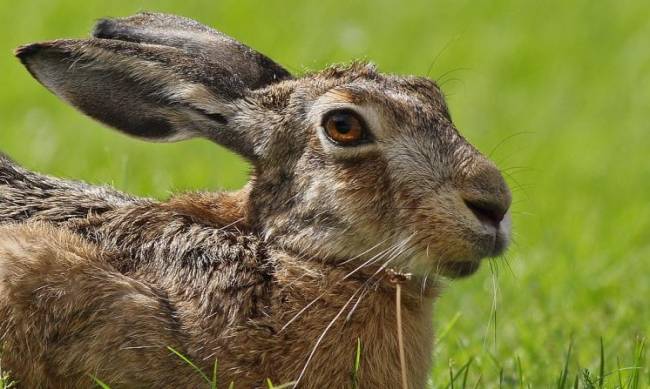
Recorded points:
(5, 381)
(557, 92)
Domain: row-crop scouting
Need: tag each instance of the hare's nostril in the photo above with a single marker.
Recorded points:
(488, 211)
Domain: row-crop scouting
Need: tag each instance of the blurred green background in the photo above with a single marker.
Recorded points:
(556, 92)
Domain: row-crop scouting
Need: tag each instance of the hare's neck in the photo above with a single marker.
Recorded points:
(330, 313)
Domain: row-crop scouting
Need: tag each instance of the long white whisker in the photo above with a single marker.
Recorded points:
(297, 315)
(311, 303)
(493, 309)
(373, 259)
(322, 336)
(397, 249)
(356, 304)
(363, 253)
(366, 287)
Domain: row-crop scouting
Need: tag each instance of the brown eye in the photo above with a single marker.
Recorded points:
(345, 127)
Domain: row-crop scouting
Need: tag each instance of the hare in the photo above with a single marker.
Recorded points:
(361, 187)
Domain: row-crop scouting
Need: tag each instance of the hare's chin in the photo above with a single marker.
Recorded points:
(498, 240)
(486, 241)
(460, 269)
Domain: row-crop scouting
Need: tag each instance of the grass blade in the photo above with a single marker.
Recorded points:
(618, 371)
(357, 359)
(452, 379)
(639, 360)
(186, 360)
(214, 383)
(501, 378)
(454, 376)
(601, 375)
(467, 372)
(561, 384)
(448, 328)
(357, 365)
(520, 373)
(283, 386)
(101, 383)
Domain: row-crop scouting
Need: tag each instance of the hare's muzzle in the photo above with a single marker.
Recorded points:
(487, 196)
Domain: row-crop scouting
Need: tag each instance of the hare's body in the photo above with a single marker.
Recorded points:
(106, 288)
(358, 176)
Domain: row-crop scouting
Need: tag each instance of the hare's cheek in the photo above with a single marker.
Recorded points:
(446, 232)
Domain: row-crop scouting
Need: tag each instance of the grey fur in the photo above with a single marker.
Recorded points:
(196, 40)
(278, 280)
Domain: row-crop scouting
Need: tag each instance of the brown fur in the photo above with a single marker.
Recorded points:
(218, 209)
(278, 280)
(53, 277)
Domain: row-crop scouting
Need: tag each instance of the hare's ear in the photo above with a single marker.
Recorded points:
(254, 69)
(162, 92)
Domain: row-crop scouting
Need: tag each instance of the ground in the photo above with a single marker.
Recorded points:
(557, 93)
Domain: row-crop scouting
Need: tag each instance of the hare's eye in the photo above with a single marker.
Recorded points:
(345, 127)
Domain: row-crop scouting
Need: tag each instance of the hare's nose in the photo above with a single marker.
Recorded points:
(487, 195)
(491, 212)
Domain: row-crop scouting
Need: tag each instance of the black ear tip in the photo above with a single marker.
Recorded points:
(33, 55)
(110, 28)
(104, 28)
(27, 52)
(22, 52)
(26, 55)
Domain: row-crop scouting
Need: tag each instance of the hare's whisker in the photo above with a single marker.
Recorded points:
(372, 259)
(364, 253)
(368, 287)
(493, 310)
(230, 224)
(354, 307)
(322, 336)
(311, 303)
(506, 139)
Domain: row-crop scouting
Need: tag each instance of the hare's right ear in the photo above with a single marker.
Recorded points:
(166, 87)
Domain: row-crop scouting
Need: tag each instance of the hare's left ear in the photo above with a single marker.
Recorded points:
(159, 77)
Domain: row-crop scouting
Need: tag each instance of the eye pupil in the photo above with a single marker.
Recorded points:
(342, 125)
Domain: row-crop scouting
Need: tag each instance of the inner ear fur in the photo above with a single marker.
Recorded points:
(149, 91)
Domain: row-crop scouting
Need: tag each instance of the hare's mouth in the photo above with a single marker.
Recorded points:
(494, 242)
(466, 251)
(460, 269)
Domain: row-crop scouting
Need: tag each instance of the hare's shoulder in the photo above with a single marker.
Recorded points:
(202, 232)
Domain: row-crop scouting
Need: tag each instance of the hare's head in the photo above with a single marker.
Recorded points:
(348, 162)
